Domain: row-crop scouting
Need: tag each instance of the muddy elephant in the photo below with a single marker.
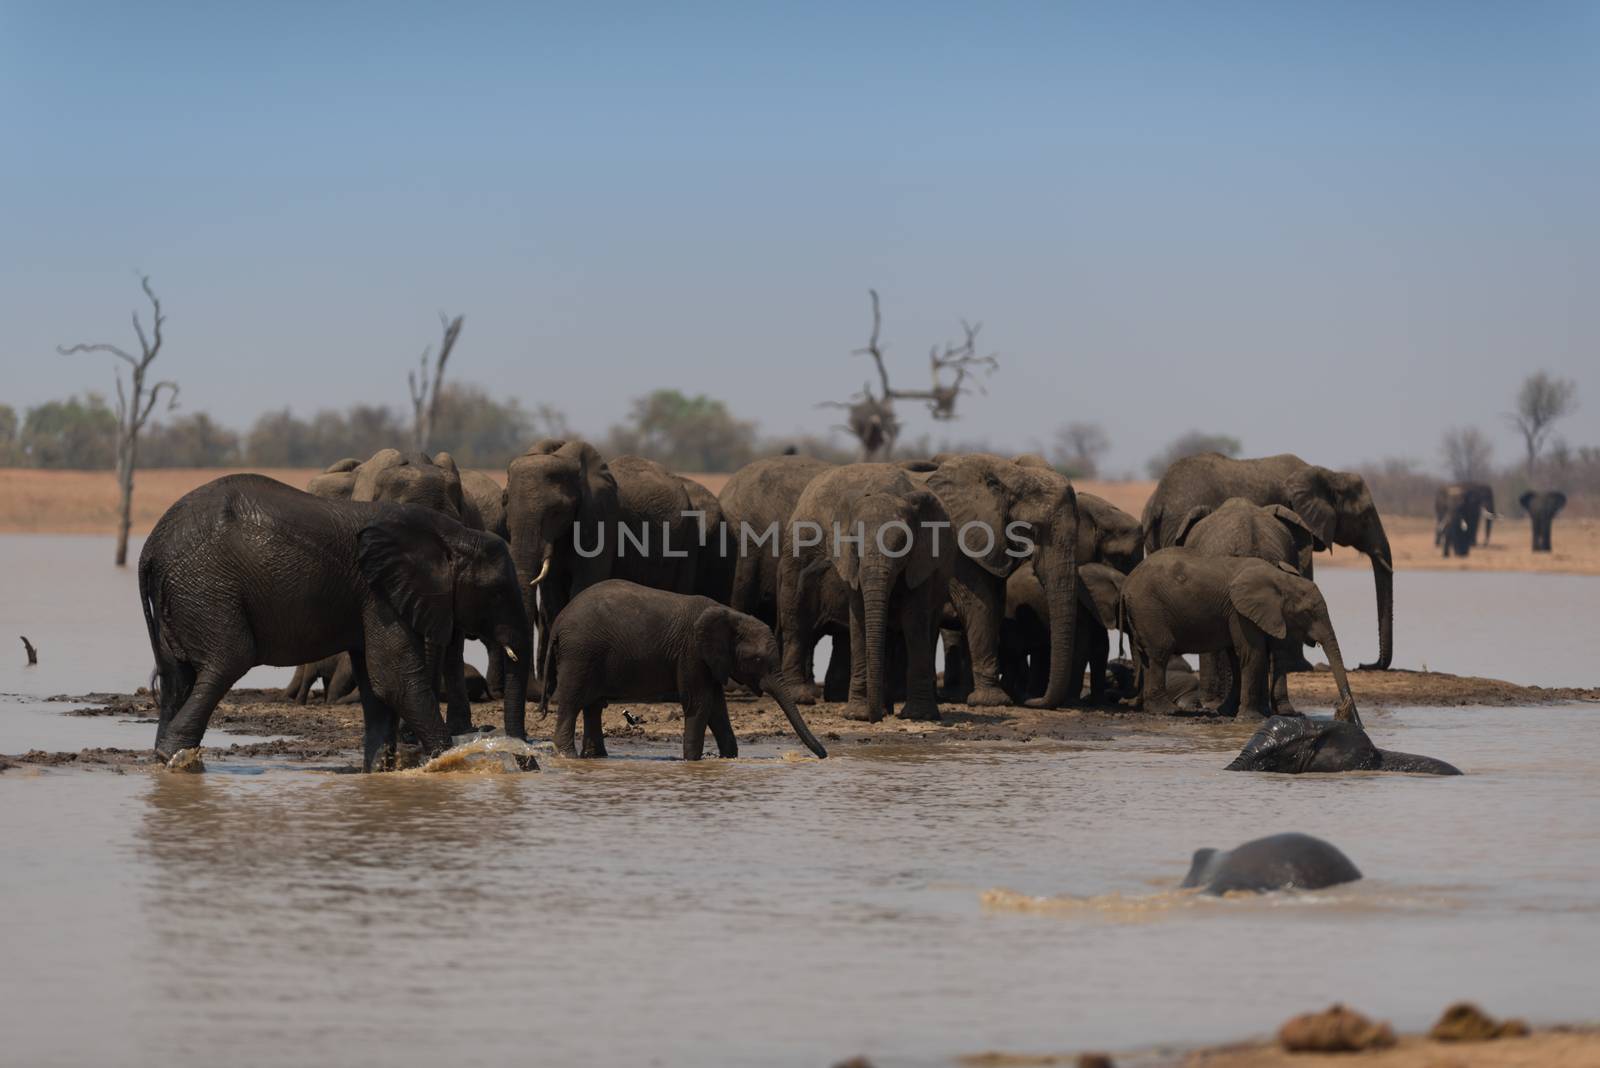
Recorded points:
(1297, 744)
(1336, 505)
(245, 571)
(621, 641)
(1180, 600)
(1278, 862)
(1542, 508)
(1005, 514)
(869, 530)
(1458, 508)
(575, 519)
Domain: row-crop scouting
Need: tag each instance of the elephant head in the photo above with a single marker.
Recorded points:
(444, 577)
(1108, 535)
(411, 478)
(1295, 744)
(555, 492)
(1339, 509)
(991, 494)
(887, 536)
(1240, 527)
(1100, 592)
(1278, 600)
(742, 648)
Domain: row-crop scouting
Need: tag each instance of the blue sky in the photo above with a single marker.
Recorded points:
(1330, 228)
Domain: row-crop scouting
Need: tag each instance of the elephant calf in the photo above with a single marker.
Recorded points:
(1183, 601)
(618, 640)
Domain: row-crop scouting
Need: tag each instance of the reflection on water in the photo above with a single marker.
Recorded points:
(767, 911)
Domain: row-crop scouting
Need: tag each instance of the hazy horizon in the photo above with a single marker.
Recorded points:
(1331, 229)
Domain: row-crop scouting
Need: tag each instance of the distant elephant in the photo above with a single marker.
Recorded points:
(1457, 508)
(619, 641)
(1180, 600)
(1279, 862)
(1004, 514)
(1336, 505)
(1296, 744)
(1542, 508)
(245, 571)
(869, 530)
(1269, 532)
(412, 478)
(575, 519)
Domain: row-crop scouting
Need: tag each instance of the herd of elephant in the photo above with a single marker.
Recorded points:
(592, 580)
(1460, 507)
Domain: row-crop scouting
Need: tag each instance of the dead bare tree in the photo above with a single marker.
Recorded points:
(133, 405)
(871, 418)
(425, 393)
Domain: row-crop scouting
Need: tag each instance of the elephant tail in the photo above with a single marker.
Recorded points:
(171, 680)
(547, 680)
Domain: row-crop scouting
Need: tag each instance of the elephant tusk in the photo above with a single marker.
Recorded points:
(543, 571)
(1379, 561)
(509, 653)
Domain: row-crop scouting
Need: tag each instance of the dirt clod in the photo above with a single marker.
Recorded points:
(1336, 1030)
(1465, 1022)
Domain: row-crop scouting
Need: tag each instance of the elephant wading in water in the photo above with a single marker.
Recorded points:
(1182, 601)
(872, 530)
(1335, 505)
(1278, 862)
(622, 641)
(1296, 744)
(1542, 508)
(246, 571)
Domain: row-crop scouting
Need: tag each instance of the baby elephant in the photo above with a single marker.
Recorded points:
(618, 641)
(1278, 862)
(1297, 744)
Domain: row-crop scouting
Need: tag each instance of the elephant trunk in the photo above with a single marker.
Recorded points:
(1383, 582)
(776, 687)
(1061, 601)
(518, 666)
(1347, 701)
(875, 605)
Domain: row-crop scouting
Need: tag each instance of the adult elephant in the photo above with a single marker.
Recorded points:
(1542, 507)
(1106, 534)
(430, 482)
(575, 519)
(873, 532)
(1180, 600)
(245, 571)
(1458, 507)
(714, 543)
(1025, 635)
(1005, 513)
(756, 502)
(1335, 505)
(487, 498)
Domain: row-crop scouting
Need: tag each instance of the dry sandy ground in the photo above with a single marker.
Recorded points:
(1557, 1048)
(85, 502)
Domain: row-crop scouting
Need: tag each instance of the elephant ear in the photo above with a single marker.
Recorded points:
(1099, 589)
(921, 563)
(1311, 496)
(972, 492)
(1291, 519)
(447, 463)
(1255, 595)
(1190, 518)
(349, 463)
(1524, 499)
(714, 637)
(410, 567)
(1558, 501)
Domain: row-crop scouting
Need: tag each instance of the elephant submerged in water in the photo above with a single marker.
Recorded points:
(1296, 744)
(1278, 862)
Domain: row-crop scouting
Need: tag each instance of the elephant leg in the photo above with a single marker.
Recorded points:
(1253, 691)
(1217, 678)
(836, 687)
(495, 677)
(796, 627)
(696, 718)
(722, 726)
(918, 626)
(458, 717)
(379, 722)
(296, 690)
(856, 704)
(341, 685)
(1281, 705)
(1098, 639)
(980, 601)
(594, 738)
(1153, 668)
(957, 667)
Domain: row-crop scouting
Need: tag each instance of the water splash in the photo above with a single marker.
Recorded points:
(488, 755)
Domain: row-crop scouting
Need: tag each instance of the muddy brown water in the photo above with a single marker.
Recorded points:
(774, 910)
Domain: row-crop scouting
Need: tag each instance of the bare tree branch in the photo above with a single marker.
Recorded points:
(425, 390)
